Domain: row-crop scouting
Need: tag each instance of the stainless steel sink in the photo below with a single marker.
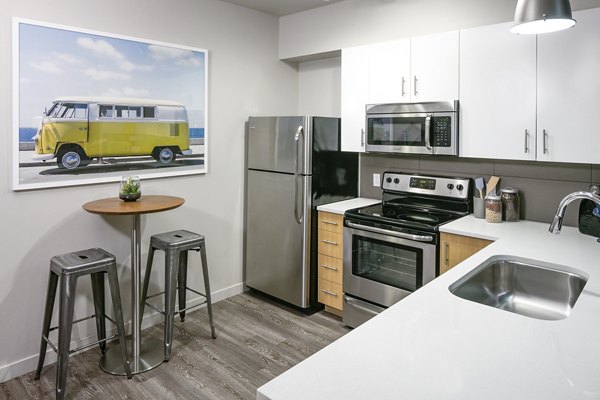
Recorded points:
(524, 287)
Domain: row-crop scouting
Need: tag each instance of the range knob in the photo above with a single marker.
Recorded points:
(450, 186)
(459, 187)
(388, 179)
(396, 181)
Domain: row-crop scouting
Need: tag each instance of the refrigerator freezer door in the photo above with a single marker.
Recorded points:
(280, 144)
(278, 235)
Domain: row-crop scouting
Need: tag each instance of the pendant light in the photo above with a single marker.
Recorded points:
(542, 16)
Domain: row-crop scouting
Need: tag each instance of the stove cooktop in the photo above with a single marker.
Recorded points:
(417, 202)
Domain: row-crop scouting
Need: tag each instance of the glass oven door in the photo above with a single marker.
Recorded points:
(384, 266)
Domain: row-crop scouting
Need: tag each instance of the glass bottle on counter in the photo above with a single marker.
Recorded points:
(493, 208)
(510, 204)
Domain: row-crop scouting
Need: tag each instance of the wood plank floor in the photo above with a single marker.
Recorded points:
(257, 339)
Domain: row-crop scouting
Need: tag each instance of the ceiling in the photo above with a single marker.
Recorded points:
(282, 7)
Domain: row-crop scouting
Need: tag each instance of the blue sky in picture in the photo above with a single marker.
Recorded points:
(60, 62)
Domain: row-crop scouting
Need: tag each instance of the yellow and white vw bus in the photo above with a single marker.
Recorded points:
(76, 130)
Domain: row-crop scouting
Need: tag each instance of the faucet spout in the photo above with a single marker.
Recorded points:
(556, 224)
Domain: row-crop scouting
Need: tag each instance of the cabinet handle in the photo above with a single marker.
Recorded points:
(526, 141)
(362, 138)
(329, 222)
(328, 292)
(329, 242)
(415, 85)
(545, 141)
(329, 267)
(447, 251)
(403, 87)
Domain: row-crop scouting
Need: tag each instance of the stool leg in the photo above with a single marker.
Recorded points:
(68, 286)
(50, 297)
(171, 269)
(99, 307)
(182, 283)
(207, 288)
(146, 281)
(113, 284)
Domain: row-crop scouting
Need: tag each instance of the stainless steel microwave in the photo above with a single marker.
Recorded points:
(413, 128)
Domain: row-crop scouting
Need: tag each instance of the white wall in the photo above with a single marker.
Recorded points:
(319, 87)
(356, 22)
(245, 77)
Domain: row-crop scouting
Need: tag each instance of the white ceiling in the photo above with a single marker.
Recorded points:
(282, 7)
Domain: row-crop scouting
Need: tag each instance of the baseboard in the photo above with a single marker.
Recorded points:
(28, 364)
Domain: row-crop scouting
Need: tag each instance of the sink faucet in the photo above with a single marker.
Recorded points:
(593, 194)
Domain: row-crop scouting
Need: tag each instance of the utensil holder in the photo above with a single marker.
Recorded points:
(479, 207)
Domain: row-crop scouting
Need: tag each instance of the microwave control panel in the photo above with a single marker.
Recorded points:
(441, 133)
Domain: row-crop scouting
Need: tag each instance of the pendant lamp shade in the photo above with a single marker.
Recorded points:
(542, 16)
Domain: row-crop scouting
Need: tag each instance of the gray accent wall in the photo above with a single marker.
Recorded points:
(541, 185)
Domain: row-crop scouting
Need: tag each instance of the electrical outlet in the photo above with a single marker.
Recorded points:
(376, 180)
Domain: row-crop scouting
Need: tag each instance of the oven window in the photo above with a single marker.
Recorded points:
(396, 131)
(387, 263)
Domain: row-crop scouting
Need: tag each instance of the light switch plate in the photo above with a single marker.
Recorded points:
(376, 180)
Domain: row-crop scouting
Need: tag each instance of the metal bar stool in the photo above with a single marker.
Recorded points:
(176, 245)
(69, 267)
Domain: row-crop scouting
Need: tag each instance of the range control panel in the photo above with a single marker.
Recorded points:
(431, 185)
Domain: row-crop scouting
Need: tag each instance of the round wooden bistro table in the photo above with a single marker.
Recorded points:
(149, 354)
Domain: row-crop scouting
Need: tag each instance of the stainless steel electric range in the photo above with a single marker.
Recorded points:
(391, 249)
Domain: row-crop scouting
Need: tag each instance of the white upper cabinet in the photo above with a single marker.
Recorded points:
(355, 89)
(569, 92)
(497, 93)
(434, 67)
(389, 72)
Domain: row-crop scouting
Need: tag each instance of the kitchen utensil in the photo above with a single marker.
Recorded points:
(480, 185)
(491, 185)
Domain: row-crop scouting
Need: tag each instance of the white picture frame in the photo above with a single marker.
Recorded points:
(65, 77)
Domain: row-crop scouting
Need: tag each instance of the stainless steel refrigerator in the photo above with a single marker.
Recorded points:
(294, 164)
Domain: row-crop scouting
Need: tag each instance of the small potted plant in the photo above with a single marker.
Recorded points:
(131, 189)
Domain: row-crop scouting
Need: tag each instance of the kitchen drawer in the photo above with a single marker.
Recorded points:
(331, 222)
(330, 294)
(330, 244)
(330, 269)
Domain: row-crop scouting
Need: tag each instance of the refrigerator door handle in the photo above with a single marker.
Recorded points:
(298, 211)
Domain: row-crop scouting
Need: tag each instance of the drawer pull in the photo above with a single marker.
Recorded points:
(329, 222)
(329, 242)
(328, 292)
(329, 267)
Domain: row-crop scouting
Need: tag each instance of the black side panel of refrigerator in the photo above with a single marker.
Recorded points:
(334, 173)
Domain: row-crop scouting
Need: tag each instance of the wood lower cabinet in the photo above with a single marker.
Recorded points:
(457, 248)
(330, 259)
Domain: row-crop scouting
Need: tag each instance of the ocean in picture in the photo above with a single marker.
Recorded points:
(26, 134)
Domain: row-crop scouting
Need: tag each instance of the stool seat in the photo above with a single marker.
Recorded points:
(82, 262)
(68, 268)
(176, 245)
(182, 240)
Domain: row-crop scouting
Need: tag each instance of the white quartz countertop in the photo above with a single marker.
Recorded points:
(434, 345)
(342, 206)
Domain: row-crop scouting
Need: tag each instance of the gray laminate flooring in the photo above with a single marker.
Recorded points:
(257, 339)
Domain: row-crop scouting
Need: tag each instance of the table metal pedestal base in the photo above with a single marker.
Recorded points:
(152, 354)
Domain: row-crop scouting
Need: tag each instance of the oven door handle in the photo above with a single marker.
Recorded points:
(418, 238)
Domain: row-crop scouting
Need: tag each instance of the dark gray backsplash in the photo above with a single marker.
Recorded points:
(541, 184)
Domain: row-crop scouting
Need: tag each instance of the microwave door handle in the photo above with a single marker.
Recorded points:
(402, 235)
(298, 211)
(428, 133)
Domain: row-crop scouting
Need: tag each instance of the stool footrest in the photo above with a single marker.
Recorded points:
(204, 301)
(85, 346)
(80, 320)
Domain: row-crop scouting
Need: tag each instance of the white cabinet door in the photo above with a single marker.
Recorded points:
(389, 72)
(497, 93)
(355, 89)
(569, 92)
(434, 67)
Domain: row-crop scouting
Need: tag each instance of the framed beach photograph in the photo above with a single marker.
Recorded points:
(91, 107)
